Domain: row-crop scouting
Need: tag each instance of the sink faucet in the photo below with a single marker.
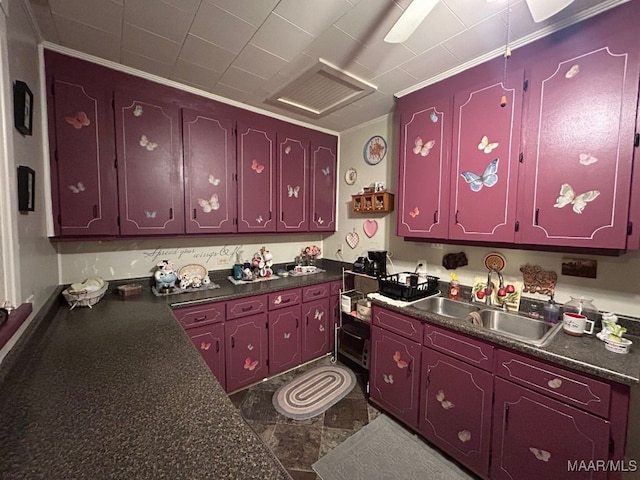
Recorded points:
(490, 286)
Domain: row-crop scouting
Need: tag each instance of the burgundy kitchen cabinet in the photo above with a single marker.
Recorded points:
(455, 409)
(293, 180)
(247, 346)
(284, 339)
(209, 340)
(256, 160)
(316, 321)
(424, 176)
(82, 146)
(484, 165)
(209, 172)
(150, 174)
(324, 163)
(579, 154)
(395, 374)
(536, 437)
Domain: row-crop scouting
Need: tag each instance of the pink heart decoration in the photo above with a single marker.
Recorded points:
(352, 239)
(370, 227)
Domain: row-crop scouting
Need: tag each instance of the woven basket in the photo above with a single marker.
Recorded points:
(86, 299)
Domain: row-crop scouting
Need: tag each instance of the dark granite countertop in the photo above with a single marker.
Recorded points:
(586, 354)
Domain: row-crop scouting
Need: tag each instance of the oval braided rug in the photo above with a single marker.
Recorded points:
(314, 392)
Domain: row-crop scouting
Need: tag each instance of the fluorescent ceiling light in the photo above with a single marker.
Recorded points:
(543, 9)
(409, 20)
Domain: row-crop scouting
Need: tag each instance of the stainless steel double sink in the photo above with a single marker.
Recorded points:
(525, 329)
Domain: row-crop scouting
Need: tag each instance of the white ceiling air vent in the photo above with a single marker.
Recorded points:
(320, 90)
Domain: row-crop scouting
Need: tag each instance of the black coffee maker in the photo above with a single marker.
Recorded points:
(377, 263)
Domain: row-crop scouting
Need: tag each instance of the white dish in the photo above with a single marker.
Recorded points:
(618, 347)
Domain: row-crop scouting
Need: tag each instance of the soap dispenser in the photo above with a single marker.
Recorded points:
(454, 287)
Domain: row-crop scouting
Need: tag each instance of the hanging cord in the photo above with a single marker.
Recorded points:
(507, 54)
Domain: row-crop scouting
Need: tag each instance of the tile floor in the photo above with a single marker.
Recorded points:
(299, 443)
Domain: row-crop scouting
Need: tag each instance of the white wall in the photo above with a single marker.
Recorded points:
(616, 288)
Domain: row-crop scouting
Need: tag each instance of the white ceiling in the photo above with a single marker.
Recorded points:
(245, 50)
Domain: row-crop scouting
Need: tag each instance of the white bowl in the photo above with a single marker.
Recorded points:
(618, 347)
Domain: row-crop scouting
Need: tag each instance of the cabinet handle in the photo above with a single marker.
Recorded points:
(217, 346)
(535, 221)
(95, 211)
(435, 216)
(200, 319)
(286, 300)
(171, 213)
(246, 309)
(409, 367)
(233, 342)
(195, 213)
(506, 418)
(297, 326)
(456, 219)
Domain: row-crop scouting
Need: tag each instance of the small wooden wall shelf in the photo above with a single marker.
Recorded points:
(372, 202)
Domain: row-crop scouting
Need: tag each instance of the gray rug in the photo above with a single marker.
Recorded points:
(384, 450)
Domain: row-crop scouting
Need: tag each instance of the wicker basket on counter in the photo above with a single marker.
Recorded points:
(85, 299)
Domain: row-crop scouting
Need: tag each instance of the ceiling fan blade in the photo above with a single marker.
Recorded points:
(543, 9)
(415, 13)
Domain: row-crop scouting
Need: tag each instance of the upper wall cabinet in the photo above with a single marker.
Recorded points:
(484, 166)
(209, 172)
(83, 170)
(423, 190)
(150, 181)
(292, 184)
(324, 163)
(579, 151)
(256, 178)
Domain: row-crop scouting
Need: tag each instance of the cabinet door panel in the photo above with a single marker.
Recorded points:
(535, 437)
(209, 162)
(150, 179)
(246, 349)
(293, 183)
(316, 329)
(395, 374)
(324, 162)
(455, 409)
(485, 161)
(256, 179)
(209, 340)
(424, 177)
(85, 151)
(284, 339)
(578, 163)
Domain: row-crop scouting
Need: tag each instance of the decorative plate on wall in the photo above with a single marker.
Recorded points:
(350, 176)
(374, 150)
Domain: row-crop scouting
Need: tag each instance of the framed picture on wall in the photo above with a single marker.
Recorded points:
(23, 108)
(26, 189)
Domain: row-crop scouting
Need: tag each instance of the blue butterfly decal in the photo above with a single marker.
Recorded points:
(488, 179)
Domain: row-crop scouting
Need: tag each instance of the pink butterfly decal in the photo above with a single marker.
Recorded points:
(414, 213)
(209, 205)
(249, 364)
(256, 166)
(399, 362)
(205, 346)
(423, 148)
(79, 120)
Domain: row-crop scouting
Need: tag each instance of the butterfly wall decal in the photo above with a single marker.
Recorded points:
(256, 166)
(250, 364)
(293, 191)
(568, 196)
(149, 214)
(78, 120)
(488, 178)
(250, 347)
(486, 146)
(326, 171)
(444, 403)
(540, 454)
(287, 149)
(320, 220)
(144, 142)
(287, 335)
(277, 300)
(399, 362)
(205, 346)
(318, 315)
(259, 219)
(77, 188)
(209, 205)
(414, 213)
(421, 148)
(321, 328)
(434, 117)
(214, 181)
(137, 112)
(573, 71)
(387, 378)
(587, 159)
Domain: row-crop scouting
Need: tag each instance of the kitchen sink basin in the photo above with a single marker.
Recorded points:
(445, 307)
(529, 330)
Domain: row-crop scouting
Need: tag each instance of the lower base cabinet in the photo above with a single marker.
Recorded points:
(284, 339)
(455, 409)
(209, 340)
(246, 349)
(316, 329)
(537, 437)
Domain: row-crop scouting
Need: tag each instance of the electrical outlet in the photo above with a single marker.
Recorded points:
(223, 261)
(437, 246)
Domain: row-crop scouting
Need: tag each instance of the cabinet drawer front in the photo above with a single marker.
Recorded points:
(459, 346)
(200, 314)
(401, 324)
(315, 292)
(335, 288)
(246, 306)
(284, 299)
(571, 388)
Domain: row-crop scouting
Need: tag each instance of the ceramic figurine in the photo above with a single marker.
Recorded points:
(164, 276)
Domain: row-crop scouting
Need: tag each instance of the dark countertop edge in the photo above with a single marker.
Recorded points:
(542, 353)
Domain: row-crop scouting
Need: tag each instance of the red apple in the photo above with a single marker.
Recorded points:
(502, 292)
(511, 288)
(480, 294)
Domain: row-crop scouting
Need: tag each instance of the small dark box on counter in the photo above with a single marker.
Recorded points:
(130, 290)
